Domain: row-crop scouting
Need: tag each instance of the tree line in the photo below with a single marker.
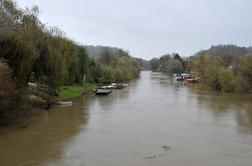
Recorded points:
(169, 63)
(226, 68)
(33, 52)
(224, 72)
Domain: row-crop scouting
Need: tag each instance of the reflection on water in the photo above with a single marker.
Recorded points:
(45, 137)
(239, 105)
(132, 126)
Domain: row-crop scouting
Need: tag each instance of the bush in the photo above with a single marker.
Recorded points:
(241, 85)
(225, 78)
(174, 66)
(13, 102)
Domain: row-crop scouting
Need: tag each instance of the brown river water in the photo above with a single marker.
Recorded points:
(155, 122)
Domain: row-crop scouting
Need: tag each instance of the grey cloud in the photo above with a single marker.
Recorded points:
(149, 28)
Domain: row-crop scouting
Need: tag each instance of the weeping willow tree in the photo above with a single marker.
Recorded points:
(20, 47)
(43, 53)
(36, 53)
(13, 104)
(116, 68)
(49, 68)
(77, 62)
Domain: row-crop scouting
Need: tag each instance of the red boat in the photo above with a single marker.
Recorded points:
(191, 80)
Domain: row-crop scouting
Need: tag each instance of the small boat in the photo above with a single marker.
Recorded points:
(183, 77)
(113, 84)
(108, 87)
(179, 78)
(192, 80)
(102, 91)
(119, 86)
(64, 103)
(125, 85)
(175, 76)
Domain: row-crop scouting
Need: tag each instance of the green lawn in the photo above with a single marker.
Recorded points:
(69, 92)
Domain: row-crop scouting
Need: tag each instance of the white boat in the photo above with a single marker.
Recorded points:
(64, 103)
(108, 87)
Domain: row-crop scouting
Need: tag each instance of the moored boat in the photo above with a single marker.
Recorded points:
(183, 77)
(64, 103)
(101, 91)
(191, 80)
(125, 85)
(108, 87)
(118, 85)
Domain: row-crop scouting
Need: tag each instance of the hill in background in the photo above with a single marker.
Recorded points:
(230, 49)
(96, 51)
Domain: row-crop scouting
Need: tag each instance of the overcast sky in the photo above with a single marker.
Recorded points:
(150, 28)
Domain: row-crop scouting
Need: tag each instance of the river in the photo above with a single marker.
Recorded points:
(155, 122)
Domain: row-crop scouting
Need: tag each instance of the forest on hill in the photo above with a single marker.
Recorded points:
(95, 52)
(231, 49)
(32, 53)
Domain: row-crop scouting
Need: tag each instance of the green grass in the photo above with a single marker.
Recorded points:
(69, 92)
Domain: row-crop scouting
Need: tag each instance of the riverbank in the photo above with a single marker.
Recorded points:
(70, 92)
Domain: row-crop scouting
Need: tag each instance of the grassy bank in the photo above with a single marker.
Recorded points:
(69, 92)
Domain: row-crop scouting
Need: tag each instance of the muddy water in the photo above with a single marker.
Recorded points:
(154, 122)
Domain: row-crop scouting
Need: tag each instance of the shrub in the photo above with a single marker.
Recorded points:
(225, 77)
(13, 103)
(241, 84)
